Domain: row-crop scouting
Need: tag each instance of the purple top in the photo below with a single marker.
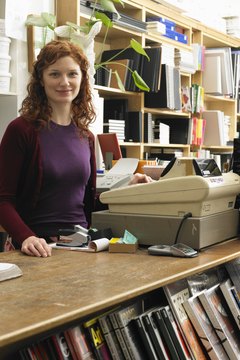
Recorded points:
(66, 170)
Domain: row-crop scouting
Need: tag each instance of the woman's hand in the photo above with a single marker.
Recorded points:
(35, 246)
(140, 178)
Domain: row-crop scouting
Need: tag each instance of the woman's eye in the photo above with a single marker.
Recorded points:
(73, 74)
(54, 74)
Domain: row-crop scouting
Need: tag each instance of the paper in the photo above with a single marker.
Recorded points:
(9, 271)
(93, 246)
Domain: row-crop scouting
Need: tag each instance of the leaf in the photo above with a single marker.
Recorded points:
(109, 6)
(138, 48)
(73, 25)
(104, 19)
(50, 19)
(119, 81)
(139, 82)
(118, 2)
(63, 31)
(36, 20)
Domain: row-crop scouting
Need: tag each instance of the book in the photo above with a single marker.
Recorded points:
(151, 69)
(124, 330)
(110, 337)
(177, 293)
(148, 128)
(93, 246)
(204, 328)
(212, 81)
(226, 288)
(160, 347)
(175, 333)
(170, 333)
(169, 95)
(119, 72)
(9, 271)
(133, 126)
(96, 339)
(76, 339)
(61, 346)
(213, 303)
(50, 348)
(115, 109)
(226, 70)
(134, 63)
(138, 326)
(214, 128)
(233, 267)
(235, 295)
(159, 99)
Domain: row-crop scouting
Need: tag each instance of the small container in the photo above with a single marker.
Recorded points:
(4, 63)
(5, 79)
(4, 45)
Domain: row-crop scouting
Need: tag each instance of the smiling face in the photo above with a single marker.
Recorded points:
(62, 81)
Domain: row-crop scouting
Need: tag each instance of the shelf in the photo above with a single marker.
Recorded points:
(155, 38)
(212, 98)
(103, 90)
(8, 93)
(220, 149)
(56, 292)
(166, 112)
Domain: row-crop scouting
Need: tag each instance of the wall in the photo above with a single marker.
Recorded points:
(208, 12)
(10, 104)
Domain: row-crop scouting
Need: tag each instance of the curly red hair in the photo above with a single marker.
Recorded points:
(35, 106)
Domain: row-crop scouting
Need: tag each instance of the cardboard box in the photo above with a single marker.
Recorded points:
(123, 248)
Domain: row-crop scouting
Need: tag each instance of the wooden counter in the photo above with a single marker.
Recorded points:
(56, 291)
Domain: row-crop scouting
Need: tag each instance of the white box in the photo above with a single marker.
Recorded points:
(5, 79)
(4, 63)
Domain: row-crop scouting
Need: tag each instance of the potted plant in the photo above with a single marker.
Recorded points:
(84, 36)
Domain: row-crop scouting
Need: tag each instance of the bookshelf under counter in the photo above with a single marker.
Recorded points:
(57, 292)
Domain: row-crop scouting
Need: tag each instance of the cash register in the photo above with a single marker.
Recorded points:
(153, 211)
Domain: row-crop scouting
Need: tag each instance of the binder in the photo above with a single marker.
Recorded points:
(133, 126)
(151, 70)
(135, 64)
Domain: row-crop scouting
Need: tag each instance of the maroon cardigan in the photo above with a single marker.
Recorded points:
(21, 177)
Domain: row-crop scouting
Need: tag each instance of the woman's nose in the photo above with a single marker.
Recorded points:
(64, 80)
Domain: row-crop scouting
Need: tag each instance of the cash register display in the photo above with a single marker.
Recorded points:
(201, 167)
(206, 167)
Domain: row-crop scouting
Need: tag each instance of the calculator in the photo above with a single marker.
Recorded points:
(178, 250)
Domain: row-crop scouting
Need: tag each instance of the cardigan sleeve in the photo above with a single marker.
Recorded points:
(13, 152)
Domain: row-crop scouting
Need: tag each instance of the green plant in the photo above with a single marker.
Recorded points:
(75, 33)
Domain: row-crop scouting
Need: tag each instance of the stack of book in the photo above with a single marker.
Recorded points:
(169, 95)
(156, 26)
(171, 30)
(218, 72)
(184, 61)
(118, 127)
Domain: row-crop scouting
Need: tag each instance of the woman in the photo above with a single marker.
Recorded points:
(47, 159)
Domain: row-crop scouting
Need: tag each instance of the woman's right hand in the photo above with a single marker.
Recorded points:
(35, 246)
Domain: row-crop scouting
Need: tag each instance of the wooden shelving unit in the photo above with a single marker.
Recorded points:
(119, 37)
